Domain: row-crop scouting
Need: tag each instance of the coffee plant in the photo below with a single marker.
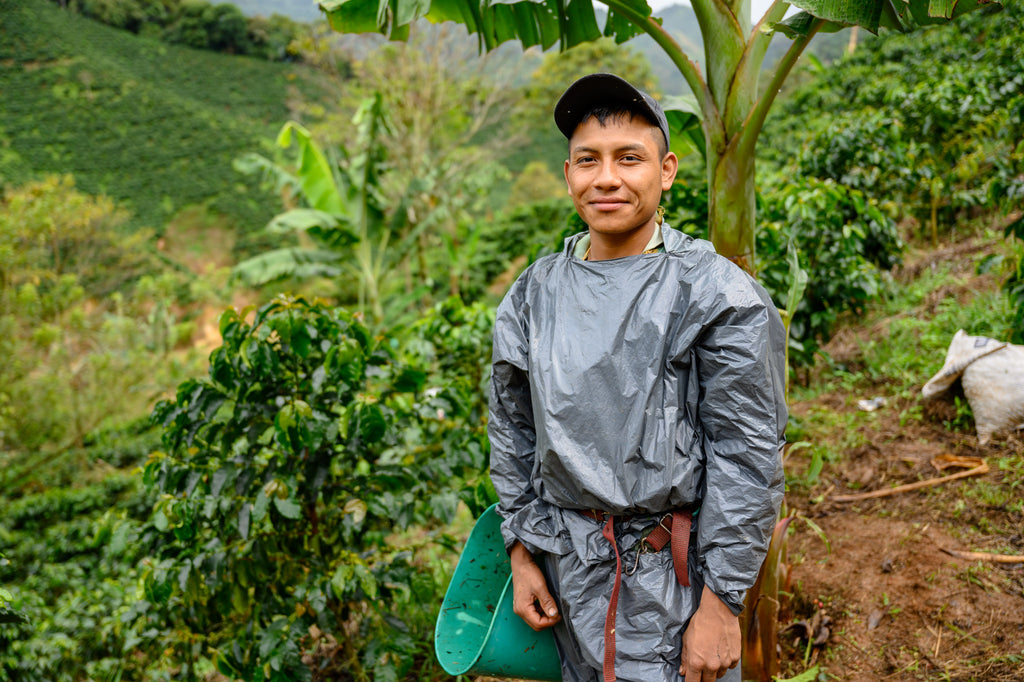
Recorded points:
(299, 483)
(845, 242)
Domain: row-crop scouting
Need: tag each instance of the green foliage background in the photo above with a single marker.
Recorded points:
(934, 115)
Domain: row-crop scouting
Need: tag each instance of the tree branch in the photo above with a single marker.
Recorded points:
(755, 120)
(749, 67)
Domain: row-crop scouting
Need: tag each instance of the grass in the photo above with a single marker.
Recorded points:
(897, 345)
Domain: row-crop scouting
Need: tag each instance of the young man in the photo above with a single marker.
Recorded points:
(637, 392)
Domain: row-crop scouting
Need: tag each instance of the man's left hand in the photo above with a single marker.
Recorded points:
(711, 642)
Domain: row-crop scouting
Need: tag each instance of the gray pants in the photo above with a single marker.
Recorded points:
(652, 611)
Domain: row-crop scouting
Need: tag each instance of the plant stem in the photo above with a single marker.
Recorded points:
(755, 120)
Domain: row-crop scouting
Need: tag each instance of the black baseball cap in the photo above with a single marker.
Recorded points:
(604, 89)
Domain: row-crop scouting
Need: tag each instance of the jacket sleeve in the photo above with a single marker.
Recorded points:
(741, 368)
(510, 425)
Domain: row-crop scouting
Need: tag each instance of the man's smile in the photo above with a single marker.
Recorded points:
(607, 203)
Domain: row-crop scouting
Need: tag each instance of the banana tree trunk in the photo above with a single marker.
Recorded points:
(731, 209)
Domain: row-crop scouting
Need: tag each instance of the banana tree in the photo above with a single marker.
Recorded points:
(344, 216)
(728, 108)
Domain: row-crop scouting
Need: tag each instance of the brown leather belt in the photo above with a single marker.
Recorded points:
(674, 527)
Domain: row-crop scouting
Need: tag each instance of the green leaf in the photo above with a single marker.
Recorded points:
(941, 8)
(1015, 228)
(183, 576)
(809, 675)
(291, 414)
(300, 340)
(684, 122)
(410, 11)
(800, 24)
(9, 616)
(301, 220)
(531, 22)
(367, 581)
(409, 381)
(797, 278)
(151, 471)
(243, 520)
(259, 509)
(371, 423)
(864, 13)
(220, 478)
(288, 508)
(160, 521)
(871, 14)
(292, 261)
(119, 539)
(339, 581)
(315, 174)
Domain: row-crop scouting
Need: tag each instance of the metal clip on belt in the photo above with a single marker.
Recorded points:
(674, 527)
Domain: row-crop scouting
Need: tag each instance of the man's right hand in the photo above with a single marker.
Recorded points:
(531, 599)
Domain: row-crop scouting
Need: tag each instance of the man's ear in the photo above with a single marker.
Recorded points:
(669, 168)
(565, 172)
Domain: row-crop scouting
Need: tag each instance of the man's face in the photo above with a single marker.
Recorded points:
(616, 175)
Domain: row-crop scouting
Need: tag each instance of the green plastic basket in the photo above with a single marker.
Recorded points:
(477, 633)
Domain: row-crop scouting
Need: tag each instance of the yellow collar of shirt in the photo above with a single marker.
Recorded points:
(583, 245)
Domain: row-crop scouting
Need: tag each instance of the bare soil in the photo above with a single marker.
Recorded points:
(902, 607)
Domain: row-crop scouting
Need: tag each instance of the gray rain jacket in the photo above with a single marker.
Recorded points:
(636, 386)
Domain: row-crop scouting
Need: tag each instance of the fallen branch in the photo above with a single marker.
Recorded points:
(980, 469)
(985, 556)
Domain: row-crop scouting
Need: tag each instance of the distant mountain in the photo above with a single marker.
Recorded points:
(299, 10)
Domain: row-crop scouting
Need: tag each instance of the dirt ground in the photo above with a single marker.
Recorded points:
(900, 606)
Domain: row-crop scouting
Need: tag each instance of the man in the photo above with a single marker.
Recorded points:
(636, 390)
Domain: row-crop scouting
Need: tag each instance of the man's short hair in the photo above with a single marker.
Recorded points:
(614, 112)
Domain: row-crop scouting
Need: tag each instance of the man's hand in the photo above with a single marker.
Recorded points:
(531, 599)
(711, 642)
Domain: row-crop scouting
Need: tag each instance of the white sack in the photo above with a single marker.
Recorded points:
(992, 374)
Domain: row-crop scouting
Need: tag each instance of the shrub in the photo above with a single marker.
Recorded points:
(75, 340)
(845, 244)
(286, 475)
(71, 568)
(930, 120)
(1014, 284)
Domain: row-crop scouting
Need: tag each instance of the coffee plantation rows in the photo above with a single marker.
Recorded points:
(152, 125)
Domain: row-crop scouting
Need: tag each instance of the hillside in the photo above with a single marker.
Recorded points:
(922, 584)
(152, 125)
